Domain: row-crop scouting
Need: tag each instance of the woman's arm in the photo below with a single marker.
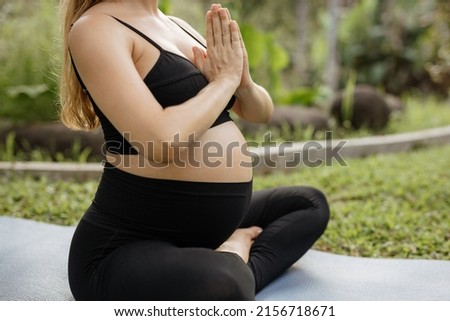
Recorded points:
(253, 104)
(103, 54)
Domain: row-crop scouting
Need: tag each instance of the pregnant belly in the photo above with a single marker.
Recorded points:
(220, 155)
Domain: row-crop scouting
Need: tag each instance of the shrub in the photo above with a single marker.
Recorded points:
(28, 44)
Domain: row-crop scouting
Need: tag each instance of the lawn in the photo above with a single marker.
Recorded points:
(394, 205)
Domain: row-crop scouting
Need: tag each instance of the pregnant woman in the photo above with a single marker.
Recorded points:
(174, 216)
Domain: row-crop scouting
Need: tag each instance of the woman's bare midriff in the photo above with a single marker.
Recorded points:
(220, 155)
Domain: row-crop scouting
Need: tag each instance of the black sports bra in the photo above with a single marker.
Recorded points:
(172, 80)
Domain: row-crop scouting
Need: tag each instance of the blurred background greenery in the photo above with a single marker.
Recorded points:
(300, 50)
(29, 55)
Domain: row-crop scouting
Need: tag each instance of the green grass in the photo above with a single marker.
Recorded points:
(9, 152)
(422, 112)
(394, 205)
(40, 199)
(384, 206)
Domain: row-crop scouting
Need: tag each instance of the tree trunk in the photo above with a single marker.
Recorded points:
(331, 72)
(301, 55)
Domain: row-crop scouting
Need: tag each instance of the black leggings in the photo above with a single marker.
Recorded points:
(147, 239)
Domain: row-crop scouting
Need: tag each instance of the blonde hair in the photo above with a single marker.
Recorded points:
(76, 110)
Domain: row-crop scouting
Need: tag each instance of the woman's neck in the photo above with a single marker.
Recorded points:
(148, 6)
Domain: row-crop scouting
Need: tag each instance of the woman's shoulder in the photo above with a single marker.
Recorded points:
(95, 29)
(91, 24)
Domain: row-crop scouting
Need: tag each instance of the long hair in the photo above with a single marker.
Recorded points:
(76, 110)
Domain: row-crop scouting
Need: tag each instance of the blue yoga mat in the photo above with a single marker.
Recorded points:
(33, 262)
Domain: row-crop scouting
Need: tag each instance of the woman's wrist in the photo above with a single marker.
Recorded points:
(226, 83)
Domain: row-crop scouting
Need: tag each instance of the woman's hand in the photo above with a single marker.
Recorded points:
(224, 59)
(253, 102)
(246, 79)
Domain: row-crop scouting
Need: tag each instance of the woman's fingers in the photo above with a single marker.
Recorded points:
(219, 26)
(236, 41)
(225, 24)
(209, 29)
(220, 29)
(228, 13)
(224, 53)
(240, 38)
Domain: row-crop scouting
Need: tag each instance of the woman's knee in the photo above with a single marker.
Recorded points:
(319, 203)
(323, 210)
(320, 200)
(225, 283)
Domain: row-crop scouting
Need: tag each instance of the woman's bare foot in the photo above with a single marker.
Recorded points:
(241, 241)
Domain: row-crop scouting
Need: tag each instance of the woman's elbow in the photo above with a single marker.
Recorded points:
(268, 114)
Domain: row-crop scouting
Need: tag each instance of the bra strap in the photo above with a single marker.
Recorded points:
(139, 33)
(190, 34)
